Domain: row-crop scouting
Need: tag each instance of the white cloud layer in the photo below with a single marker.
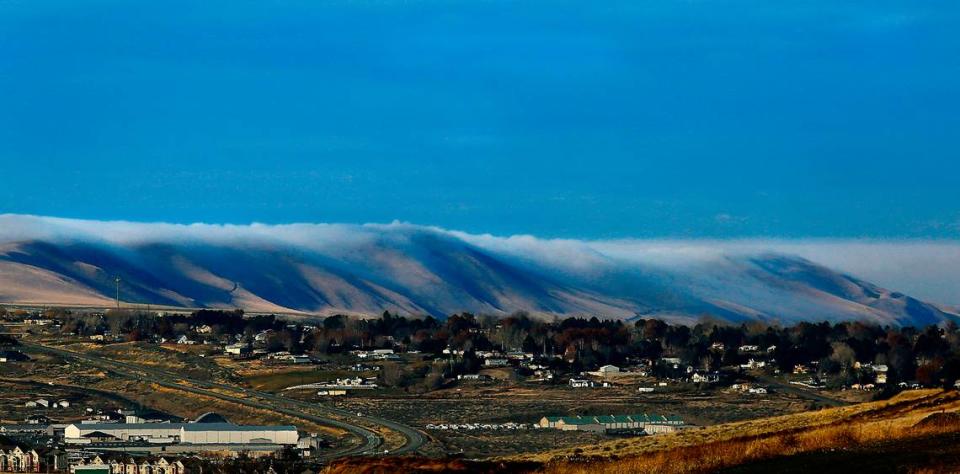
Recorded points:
(928, 269)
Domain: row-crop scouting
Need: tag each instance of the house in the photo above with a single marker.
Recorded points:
(645, 389)
(63, 404)
(609, 370)
(299, 359)
(38, 420)
(19, 460)
(757, 390)
(581, 383)
(543, 375)
(473, 377)
(496, 362)
(238, 350)
(519, 355)
(749, 348)
(184, 340)
(711, 377)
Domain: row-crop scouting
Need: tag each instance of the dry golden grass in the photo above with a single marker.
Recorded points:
(710, 449)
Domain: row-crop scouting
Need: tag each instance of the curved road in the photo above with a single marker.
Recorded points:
(372, 440)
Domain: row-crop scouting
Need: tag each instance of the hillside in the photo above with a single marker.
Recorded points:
(925, 419)
(408, 269)
(914, 432)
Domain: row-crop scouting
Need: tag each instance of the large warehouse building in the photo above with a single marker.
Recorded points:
(650, 423)
(186, 433)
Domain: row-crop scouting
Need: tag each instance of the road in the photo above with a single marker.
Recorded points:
(371, 441)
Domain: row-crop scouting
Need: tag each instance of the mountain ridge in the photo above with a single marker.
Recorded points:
(416, 270)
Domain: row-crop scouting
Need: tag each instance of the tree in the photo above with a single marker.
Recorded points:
(843, 355)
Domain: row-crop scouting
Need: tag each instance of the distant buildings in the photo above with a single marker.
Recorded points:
(131, 466)
(651, 424)
(19, 460)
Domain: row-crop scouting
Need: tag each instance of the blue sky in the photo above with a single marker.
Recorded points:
(707, 119)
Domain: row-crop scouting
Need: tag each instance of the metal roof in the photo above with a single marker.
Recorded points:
(232, 427)
(128, 426)
(610, 419)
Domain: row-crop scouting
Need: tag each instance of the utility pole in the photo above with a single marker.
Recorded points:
(118, 292)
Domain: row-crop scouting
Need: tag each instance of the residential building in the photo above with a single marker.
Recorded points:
(19, 460)
(97, 465)
(609, 370)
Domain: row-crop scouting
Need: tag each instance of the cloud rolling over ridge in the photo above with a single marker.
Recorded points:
(411, 268)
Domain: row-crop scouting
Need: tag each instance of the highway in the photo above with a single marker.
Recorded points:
(371, 441)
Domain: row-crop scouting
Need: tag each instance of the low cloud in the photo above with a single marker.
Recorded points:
(928, 269)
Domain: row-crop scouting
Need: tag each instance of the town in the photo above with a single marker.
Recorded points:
(371, 368)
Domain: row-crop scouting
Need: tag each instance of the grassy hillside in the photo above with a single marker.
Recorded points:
(912, 417)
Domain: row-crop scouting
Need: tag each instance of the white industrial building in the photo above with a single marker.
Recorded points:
(185, 433)
(228, 433)
(156, 432)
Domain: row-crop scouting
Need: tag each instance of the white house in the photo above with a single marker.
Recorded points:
(581, 383)
(496, 362)
(609, 369)
(705, 378)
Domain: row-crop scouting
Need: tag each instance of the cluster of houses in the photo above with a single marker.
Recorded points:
(19, 460)
(377, 354)
(44, 403)
(750, 388)
(650, 424)
(98, 466)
